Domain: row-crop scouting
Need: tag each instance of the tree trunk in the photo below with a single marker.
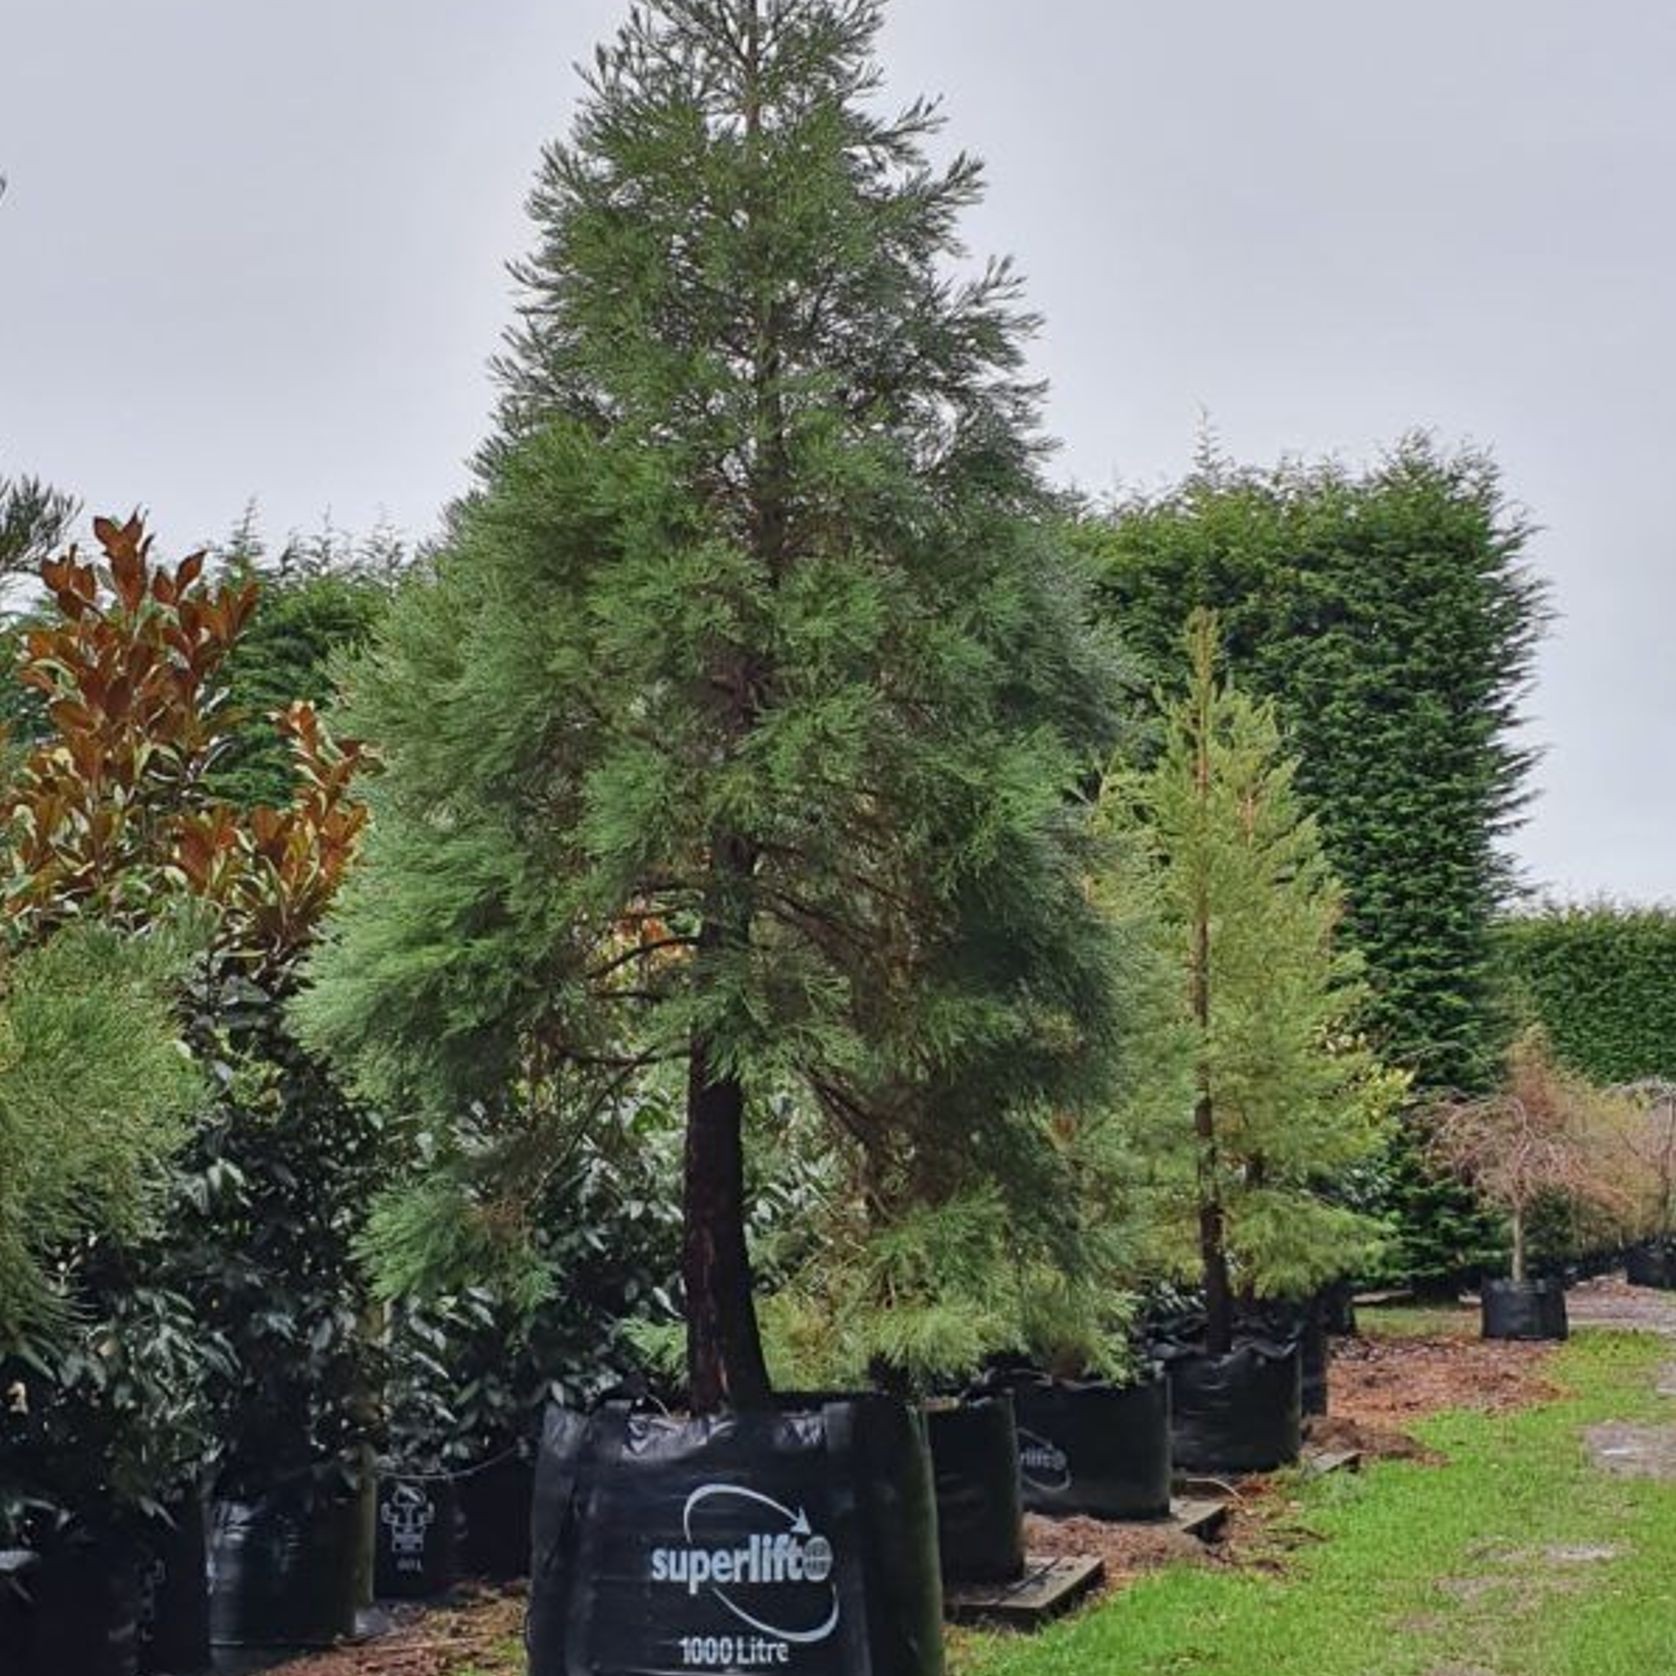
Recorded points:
(1213, 1246)
(724, 1348)
(1519, 1244)
(1213, 1242)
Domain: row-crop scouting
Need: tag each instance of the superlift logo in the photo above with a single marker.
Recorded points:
(786, 1554)
(1043, 1463)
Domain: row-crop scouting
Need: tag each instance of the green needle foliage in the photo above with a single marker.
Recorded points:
(1285, 1101)
(1391, 618)
(96, 1092)
(740, 727)
(1600, 978)
(33, 521)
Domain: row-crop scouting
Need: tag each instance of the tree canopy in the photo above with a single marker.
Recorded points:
(741, 727)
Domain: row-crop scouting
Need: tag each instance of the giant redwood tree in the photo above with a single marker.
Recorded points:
(731, 750)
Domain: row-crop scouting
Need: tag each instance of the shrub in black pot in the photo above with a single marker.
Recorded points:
(799, 1537)
(1524, 1309)
(975, 1467)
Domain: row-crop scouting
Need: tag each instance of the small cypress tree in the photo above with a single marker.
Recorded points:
(1284, 1098)
(735, 740)
(1391, 617)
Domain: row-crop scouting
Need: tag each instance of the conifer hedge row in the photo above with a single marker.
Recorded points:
(1601, 977)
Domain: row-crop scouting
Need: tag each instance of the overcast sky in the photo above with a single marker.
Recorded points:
(257, 247)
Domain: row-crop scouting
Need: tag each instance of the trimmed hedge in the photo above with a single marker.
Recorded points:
(1601, 977)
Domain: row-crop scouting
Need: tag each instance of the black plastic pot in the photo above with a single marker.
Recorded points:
(416, 1550)
(1524, 1309)
(1652, 1264)
(17, 1566)
(174, 1595)
(284, 1569)
(494, 1501)
(980, 1512)
(1094, 1449)
(801, 1539)
(1336, 1305)
(83, 1608)
(1295, 1321)
(1242, 1412)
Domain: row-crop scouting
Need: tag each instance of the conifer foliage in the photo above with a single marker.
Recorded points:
(1284, 1099)
(1392, 618)
(735, 740)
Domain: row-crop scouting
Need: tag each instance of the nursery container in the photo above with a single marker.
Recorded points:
(416, 1549)
(980, 1512)
(800, 1538)
(174, 1594)
(1242, 1412)
(494, 1500)
(1524, 1309)
(1094, 1449)
(1652, 1264)
(79, 1608)
(17, 1566)
(1336, 1305)
(284, 1568)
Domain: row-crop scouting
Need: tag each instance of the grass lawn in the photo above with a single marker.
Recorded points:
(1520, 1557)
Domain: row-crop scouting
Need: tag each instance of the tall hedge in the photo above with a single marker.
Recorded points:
(1601, 977)
(1390, 616)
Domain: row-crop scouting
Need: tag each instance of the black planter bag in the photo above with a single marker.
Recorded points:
(83, 1612)
(1300, 1322)
(1524, 1309)
(284, 1569)
(1336, 1306)
(17, 1624)
(1242, 1412)
(800, 1540)
(416, 1547)
(494, 1502)
(174, 1598)
(980, 1512)
(1653, 1264)
(1098, 1450)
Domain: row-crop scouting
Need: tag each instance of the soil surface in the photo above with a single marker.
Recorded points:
(1129, 1550)
(1379, 1383)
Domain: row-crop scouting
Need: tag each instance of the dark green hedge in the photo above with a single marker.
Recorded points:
(1602, 978)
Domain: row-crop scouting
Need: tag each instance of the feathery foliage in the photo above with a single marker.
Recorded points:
(741, 723)
(1601, 980)
(96, 1092)
(1285, 1100)
(1391, 618)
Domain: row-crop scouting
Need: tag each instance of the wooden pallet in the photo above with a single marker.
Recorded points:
(1317, 1463)
(1047, 1588)
(1199, 1516)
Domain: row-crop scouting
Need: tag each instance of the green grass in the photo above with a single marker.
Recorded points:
(1409, 1570)
(1417, 1321)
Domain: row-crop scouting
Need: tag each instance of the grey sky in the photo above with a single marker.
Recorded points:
(256, 247)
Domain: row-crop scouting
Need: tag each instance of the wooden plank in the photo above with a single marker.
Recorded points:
(1201, 1517)
(1047, 1588)
(1317, 1463)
